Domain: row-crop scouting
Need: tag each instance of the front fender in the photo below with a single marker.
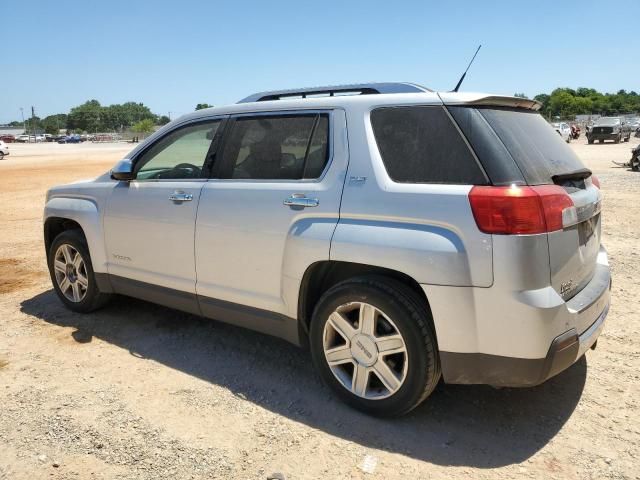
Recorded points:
(86, 213)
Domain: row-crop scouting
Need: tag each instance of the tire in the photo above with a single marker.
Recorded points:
(618, 138)
(89, 297)
(590, 140)
(1, 155)
(398, 312)
(635, 164)
(569, 139)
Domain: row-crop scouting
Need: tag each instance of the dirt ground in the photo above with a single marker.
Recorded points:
(141, 391)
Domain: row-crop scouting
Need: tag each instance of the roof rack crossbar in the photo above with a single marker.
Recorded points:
(331, 91)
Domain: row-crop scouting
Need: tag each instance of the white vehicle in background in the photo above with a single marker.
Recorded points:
(22, 138)
(564, 130)
(4, 149)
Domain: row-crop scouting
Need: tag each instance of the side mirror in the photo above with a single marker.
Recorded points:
(123, 170)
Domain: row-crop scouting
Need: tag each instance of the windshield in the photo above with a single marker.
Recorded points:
(608, 121)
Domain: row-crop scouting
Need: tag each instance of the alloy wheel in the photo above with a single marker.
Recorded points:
(71, 273)
(365, 350)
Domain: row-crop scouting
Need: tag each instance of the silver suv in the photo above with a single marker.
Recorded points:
(401, 234)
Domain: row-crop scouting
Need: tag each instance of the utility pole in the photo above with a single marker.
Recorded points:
(169, 116)
(24, 124)
(33, 124)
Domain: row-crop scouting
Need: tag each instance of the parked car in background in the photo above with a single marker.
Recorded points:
(8, 138)
(22, 138)
(564, 130)
(70, 139)
(400, 234)
(4, 149)
(609, 128)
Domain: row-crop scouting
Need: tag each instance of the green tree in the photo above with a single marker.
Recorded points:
(144, 126)
(202, 106)
(54, 123)
(163, 120)
(85, 117)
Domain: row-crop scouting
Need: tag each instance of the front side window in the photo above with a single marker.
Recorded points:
(283, 147)
(422, 145)
(179, 155)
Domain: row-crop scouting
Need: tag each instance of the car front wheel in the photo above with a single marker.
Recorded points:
(373, 342)
(72, 273)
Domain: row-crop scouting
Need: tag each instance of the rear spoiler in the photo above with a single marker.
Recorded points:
(491, 101)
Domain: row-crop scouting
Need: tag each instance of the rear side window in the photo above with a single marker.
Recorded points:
(284, 147)
(535, 146)
(421, 145)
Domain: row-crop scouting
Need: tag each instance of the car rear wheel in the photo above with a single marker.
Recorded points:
(1, 155)
(72, 273)
(373, 342)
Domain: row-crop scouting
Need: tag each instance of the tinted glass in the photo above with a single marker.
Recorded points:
(290, 147)
(181, 154)
(495, 158)
(536, 147)
(422, 145)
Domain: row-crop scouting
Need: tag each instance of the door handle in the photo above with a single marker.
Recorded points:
(180, 197)
(301, 200)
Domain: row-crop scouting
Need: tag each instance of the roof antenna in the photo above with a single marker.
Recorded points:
(465, 72)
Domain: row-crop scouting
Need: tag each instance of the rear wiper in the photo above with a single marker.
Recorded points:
(580, 174)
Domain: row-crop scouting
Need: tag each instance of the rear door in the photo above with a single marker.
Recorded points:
(273, 209)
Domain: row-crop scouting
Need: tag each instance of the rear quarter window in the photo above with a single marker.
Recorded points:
(420, 144)
(536, 147)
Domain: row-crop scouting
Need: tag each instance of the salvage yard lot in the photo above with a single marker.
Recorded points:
(142, 391)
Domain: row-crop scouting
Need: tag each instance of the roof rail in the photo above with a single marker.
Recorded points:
(355, 89)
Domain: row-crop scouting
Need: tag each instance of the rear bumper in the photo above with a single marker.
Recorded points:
(480, 368)
(577, 324)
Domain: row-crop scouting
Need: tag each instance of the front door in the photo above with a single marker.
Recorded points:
(273, 210)
(149, 222)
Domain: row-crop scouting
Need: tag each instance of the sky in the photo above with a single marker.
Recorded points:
(172, 55)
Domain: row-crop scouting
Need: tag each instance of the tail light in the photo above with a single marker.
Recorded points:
(595, 180)
(520, 209)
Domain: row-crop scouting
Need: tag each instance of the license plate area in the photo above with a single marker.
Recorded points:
(587, 229)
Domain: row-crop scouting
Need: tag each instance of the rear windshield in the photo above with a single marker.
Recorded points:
(537, 149)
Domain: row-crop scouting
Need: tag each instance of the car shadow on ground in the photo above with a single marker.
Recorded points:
(474, 426)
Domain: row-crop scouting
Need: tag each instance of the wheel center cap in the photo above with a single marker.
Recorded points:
(364, 350)
(71, 273)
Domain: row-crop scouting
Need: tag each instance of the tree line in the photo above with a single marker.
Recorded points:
(91, 117)
(567, 102)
